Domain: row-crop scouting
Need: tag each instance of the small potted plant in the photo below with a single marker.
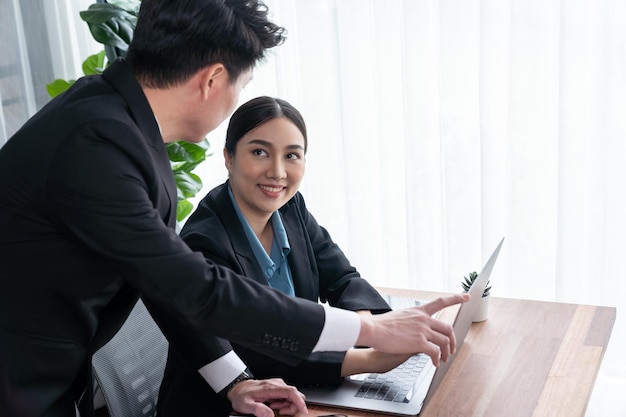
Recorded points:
(481, 313)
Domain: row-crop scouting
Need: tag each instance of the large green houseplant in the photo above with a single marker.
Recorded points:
(112, 24)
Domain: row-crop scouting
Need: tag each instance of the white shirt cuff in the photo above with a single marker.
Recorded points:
(340, 332)
(222, 371)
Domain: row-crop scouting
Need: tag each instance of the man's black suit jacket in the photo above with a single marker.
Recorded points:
(320, 271)
(87, 216)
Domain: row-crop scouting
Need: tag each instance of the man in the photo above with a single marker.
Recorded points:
(87, 214)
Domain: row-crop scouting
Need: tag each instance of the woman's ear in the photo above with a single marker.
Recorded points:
(228, 160)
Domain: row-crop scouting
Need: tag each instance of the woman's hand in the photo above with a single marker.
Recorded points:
(252, 395)
(358, 361)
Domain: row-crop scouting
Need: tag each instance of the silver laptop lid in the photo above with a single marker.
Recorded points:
(463, 320)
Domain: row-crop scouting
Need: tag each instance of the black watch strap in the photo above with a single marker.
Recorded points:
(242, 377)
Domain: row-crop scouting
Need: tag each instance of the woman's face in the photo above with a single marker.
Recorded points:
(267, 168)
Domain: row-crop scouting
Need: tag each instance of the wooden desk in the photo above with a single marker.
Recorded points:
(530, 358)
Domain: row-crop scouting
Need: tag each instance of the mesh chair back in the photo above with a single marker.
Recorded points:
(129, 368)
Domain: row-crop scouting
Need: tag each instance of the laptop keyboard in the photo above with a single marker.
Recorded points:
(395, 385)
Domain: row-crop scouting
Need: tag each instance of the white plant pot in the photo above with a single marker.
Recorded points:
(483, 310)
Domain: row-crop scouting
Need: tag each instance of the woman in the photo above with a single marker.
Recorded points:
(257, 224)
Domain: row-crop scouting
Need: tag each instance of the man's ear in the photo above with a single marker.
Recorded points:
(210, 77)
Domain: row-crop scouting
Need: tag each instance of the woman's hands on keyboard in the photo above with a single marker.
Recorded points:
(359, 361)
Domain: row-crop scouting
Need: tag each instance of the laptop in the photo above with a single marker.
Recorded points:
(403, 391)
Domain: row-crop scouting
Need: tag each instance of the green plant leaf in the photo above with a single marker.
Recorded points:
(188, 184)
(110, 24)
(58, 86)
(183, 209)
(467, 282)
(130, 5)
(487, 289)
(94, 64)
(187, 152)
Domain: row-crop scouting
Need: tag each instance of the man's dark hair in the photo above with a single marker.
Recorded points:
(173, 39)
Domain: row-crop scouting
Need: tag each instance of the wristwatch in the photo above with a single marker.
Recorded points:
(242, 377)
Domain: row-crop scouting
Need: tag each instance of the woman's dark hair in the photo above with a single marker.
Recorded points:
(256, 112)
(173, 39)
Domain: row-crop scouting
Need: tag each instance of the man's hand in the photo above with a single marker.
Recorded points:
(252, 395)
(412, 330)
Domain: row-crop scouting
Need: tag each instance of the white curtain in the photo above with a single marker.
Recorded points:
(40, 40)
(437, 127)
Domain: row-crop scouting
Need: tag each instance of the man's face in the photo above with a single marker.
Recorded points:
(230, 97)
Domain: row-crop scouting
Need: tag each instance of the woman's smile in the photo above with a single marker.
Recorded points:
(273, 191)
